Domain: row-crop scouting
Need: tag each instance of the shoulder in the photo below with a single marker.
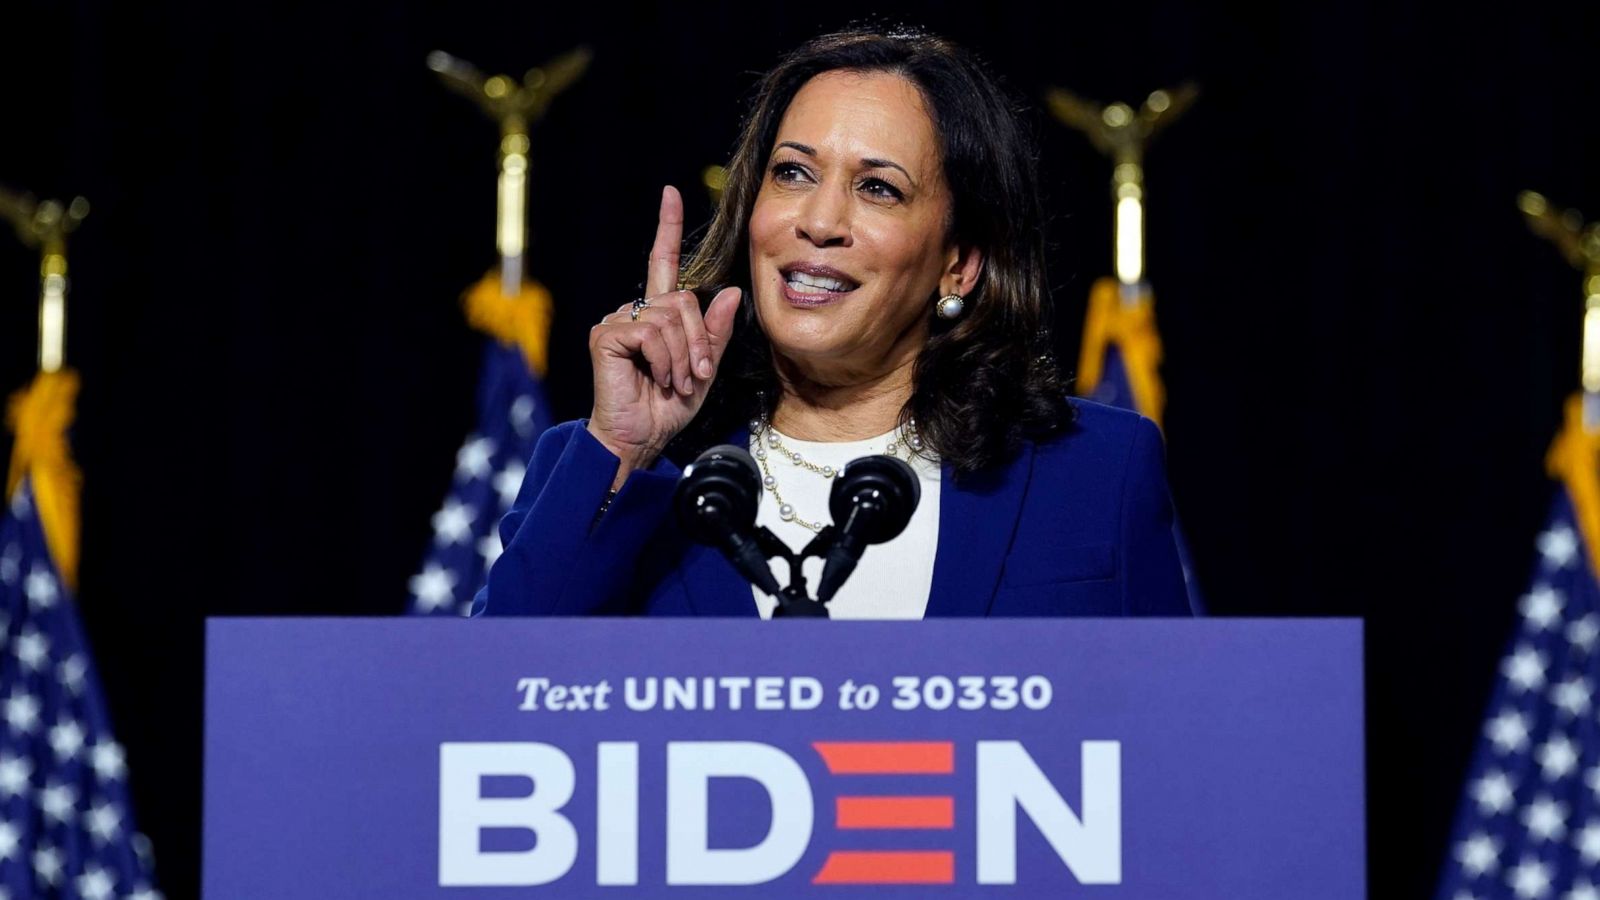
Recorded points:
(1101, 436)
(1106, 458)
(565, 430)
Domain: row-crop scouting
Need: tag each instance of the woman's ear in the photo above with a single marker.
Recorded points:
(963, 266)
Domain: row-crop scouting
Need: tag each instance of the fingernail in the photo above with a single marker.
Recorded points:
(705, 368)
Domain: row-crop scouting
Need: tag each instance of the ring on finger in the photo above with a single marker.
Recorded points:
(639, 306)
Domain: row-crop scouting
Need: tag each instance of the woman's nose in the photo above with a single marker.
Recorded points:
(824, 218)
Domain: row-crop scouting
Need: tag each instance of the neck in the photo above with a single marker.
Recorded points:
(813, 411)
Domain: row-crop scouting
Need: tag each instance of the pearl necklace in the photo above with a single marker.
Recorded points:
(769, 439)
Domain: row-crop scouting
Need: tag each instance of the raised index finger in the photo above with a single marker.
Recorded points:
(663, 275)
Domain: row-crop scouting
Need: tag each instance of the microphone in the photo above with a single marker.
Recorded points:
(871, 502)
(716, 503)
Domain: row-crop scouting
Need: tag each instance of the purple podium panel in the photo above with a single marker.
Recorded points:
(628, 758)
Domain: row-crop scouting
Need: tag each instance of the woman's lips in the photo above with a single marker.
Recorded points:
(809, 299)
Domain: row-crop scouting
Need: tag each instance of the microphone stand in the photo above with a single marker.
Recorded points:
(795, 601)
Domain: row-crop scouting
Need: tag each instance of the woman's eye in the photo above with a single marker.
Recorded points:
(877, 187)
(785, 172)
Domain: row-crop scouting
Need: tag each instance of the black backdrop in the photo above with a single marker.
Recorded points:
(1367, 350)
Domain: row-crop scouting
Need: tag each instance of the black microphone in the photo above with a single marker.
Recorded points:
(716, 503)
(871, 502)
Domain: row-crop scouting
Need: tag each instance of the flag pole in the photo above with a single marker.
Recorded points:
(1580, 245)
(1119, 358)
(514, 106)
(45, 226)
(41, 413)
(1122, 133)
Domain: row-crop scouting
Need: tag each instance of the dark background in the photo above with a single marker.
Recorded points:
(1366, 349)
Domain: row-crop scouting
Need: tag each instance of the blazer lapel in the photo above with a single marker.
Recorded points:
(977, 518)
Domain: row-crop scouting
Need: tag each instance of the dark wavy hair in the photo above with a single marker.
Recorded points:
(983, 383)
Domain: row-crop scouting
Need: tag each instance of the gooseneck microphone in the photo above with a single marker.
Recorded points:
(716, 504)
(872, 501)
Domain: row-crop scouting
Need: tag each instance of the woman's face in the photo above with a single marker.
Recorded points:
(848, 237)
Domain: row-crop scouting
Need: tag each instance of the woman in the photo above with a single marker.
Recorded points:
(877, 266)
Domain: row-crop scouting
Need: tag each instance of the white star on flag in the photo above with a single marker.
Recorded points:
(1588, 842)
(41, 587)
(433, 588)
(47, 865)
(107, 760)
(509, 482)
(1572, 696)
(472, 460)
(1558, 757)
(522, 410)
(66, 739)
(14, 775)
(1530, 879)
(490, 548)
(1545, 819)
(1559, 547)
(10, 840)
(22, 712)
(1478, 854)
(1525, 669)
(103, 821)
(58, 802)
(33, 650)
(95, 884)
(1493, 793)
(1508, 731)
(1541, 607)
(1582, 633)
(72, 672)
(453, 523)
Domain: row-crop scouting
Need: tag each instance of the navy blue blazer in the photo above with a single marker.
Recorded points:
(1079, 525)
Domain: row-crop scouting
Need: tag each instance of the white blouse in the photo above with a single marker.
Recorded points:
(893, 579)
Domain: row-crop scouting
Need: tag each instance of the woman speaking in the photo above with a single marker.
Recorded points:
(876, 273)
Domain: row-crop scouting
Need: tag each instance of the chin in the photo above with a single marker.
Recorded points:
(802, 344)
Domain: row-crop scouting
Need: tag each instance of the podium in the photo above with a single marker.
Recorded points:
(690, 758)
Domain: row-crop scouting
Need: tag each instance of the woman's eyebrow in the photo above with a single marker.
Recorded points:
(888, 164)
(869, 161)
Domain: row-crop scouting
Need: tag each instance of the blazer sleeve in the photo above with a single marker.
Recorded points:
(559, 560)
(1152, 581)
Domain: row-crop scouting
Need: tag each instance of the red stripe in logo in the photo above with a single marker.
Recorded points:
(888, 758)
(895, 812)
(893, 867)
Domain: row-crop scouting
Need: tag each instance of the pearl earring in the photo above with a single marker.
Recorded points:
(950, 306)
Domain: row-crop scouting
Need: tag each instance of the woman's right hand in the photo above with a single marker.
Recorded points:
(652, 374)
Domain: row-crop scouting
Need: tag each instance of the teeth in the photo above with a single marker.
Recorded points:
(820, 285)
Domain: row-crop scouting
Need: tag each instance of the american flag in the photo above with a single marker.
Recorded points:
(1529, 823)
(1105, 378)
(66, 825)
(489, 469)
